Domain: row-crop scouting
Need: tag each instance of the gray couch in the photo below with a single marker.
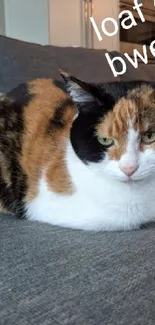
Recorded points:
(56, 276)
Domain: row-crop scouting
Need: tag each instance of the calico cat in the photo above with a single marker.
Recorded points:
(79, 155)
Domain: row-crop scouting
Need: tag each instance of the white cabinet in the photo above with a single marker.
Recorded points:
(58, 22)
(106, 9)
(65, 22)
(70, 24)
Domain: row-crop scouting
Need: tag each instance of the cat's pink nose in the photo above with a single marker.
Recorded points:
(130, 170)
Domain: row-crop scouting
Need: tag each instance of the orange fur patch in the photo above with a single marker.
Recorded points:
(44, 143)
(137, 110)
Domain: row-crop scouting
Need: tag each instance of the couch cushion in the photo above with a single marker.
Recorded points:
(53, 276)
(21, 61)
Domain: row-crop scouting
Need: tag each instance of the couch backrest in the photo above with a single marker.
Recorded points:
(21, 61)
(143, 72)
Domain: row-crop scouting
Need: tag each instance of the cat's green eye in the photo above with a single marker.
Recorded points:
(107, 142)
(148, 137)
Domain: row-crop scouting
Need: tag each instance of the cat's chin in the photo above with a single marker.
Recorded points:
(131, 180)
(127, 181)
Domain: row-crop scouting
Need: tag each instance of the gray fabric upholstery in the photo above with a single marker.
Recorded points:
(53, 276)
(56, 276)
(21, 61)
(143, 72)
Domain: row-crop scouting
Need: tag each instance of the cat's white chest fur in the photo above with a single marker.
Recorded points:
(97, 204)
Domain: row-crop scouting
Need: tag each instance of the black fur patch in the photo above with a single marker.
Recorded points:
(60, 84)
(58, 120)
(20, 95)
(12, 179)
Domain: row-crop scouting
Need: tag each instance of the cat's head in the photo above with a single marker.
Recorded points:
(114, 133)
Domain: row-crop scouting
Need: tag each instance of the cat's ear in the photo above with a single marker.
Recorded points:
(80, 91)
